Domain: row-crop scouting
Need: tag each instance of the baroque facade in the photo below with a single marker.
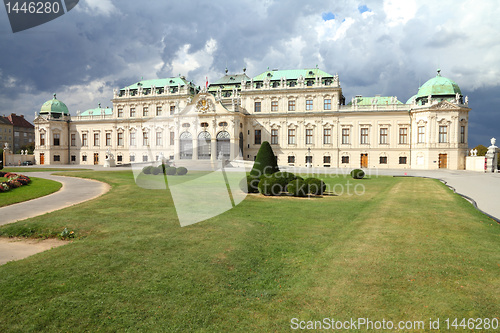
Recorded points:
(302, 113)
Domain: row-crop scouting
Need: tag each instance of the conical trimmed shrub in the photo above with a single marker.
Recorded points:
(265, 162)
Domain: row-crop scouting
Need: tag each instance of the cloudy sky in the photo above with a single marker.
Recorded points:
(385, 47)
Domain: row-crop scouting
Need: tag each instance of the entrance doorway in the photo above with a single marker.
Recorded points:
(364, 160)
(96, 158)
(443, 161)
(42, 158)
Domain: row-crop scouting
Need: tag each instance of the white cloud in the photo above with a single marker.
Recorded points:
(97, 7)
(399, 11)
(186, 62)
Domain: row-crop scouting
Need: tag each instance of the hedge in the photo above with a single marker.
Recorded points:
(297, 188)
(357, 174)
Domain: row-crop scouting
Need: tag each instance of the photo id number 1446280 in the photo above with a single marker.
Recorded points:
(38, 7)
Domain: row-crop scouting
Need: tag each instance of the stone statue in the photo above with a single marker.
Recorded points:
(493, 141)
(457, 98)
(429, 99)
(6, 146)
(466, 99)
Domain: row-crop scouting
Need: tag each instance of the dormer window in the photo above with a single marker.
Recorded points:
(275, 84)
(293, 83)
(311, 73)
(309, 83)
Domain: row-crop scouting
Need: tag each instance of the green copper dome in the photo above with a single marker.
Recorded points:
(439, 86)
(54, 106)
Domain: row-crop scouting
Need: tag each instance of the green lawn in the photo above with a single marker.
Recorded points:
(408, 249)
(37, 188)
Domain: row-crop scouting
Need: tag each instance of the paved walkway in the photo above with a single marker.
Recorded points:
(73, 191)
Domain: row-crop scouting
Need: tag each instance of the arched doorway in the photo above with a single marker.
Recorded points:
(204, 146)
(241, 145)
(223, 144)
(186, 146)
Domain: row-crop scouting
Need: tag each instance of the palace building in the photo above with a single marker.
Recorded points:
(302, 113)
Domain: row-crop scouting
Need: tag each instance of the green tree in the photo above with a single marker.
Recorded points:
(481, 150)
(265, 161)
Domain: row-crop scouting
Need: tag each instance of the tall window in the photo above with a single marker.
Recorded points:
(108, 139)
(132, 139)
(96, 139)
(274, 136)
(383, 160)
(57, 139)
(291, 105)
(309, 104)
(327, 136)
(327, 159)
(132, 158)
(309, 136)
(274, 106)
(258, 137)
(462, 134)
(158, 139)
(257, 107)
(421, 134)
(291, 159)
(328, 104)
(84, 140)
(119, 139)
(145, 138)
(145, 111)
(345, 136)
(42, 139)
(73, 139)
(132, 112)
(443, 134)
(403, 136)
(383, 136)
(345, 159)
(120, 113)
(291, 136)
(172, 109)
(364, 136)
(402, 159)
(158, 110)
(172, 138)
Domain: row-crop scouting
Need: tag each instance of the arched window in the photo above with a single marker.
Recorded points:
(204, 146)
(223, 144)
(186, 146)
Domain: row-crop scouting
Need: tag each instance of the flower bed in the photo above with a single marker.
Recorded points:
(10, 180)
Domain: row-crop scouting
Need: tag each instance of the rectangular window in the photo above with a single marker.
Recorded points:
(84, 158)
(291, 136)
(132, 138)
(144, 158)
(291, 105)
(119, 158)
(158, 139)
(327, 136)
(258, 138)
(462, 134)
(364, 136)
(57, 158)
(443, 134)
(291, 159)
(57, 139)
(383, 160)
(119, 139)
(402, 159)
(403, 136)
(42, 139)
(120, 113)
(257, 107)
(383, 136)
(274, 106)
(309, 104)
(145, 138)
(73, 158)
(132, 112)
(108, 139)
(345, 136)
(327, 159)
(421, 134)
(172, 109)
(345, 159)
(172, 138)
(132, 158)
(158, 110)
(309, 136)
(145, 111)
(73, 139)
(328, 104)
(309, 159)
(96, 139)
(274, 136)
(84, 140)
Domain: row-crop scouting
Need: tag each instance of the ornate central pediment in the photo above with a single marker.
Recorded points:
(205, 104)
